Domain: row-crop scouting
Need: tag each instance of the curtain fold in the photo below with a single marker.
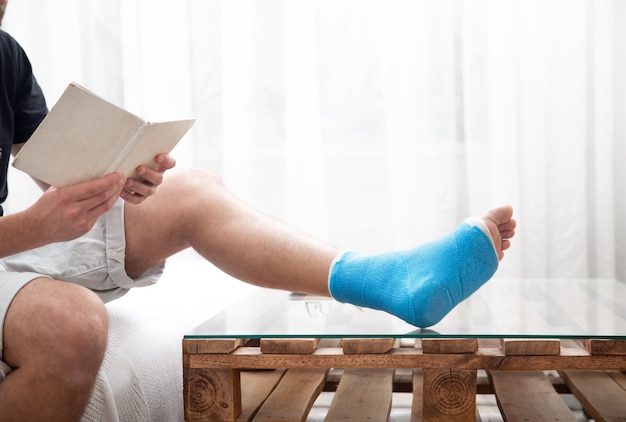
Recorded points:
(374, 124)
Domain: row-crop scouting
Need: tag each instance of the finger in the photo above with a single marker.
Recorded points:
(165, 162)
(141, 188)
(103, 206)
(152, 177)
(507, 234)
(102, 188)
(132, 198)
(509, 225)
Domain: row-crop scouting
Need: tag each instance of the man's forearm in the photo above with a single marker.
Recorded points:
(17, 235)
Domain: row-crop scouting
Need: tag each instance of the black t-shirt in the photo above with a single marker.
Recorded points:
(22, 104)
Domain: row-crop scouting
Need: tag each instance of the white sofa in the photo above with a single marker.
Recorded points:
(141, 375)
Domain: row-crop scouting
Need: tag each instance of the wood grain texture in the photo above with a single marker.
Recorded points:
(211, 394)
(531, 347)
(449, 345)
(528, 396)
(256, 386)
(606, 347)
(218, 345)
(363, 394)
(449, 395)
(489, 359)
(292, 399)
(603, 398)
(289, 345)
(367, 345)
(418, 395)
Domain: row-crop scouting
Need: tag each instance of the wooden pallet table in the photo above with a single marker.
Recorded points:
(527, 342)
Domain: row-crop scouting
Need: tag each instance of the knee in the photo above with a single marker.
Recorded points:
(190, 187)
(79, 326)
(83, 328)
(195, 179)
(54, 326)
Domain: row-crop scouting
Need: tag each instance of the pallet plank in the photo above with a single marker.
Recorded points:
(301, 346)
(602, 397)
(256, 386)
(531, 347)
(218, 345)
(251, 357)
(363, 394)
(418, 395)
(449, 345)
(619, 377)
(528, 396)
(294, 396)
(606, 347)
(367, 345)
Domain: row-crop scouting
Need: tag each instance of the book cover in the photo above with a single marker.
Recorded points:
(85, 137)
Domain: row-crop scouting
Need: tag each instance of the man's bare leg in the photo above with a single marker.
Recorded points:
(193, 208)
(55, 335)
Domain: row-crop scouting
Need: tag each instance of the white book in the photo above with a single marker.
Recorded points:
(85, 137)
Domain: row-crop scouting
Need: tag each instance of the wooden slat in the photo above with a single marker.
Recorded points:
(367, 345)
(602, 398)
(251, 357)
(418, 395)
(528, 396)
(293, 397)
(289, 345)
(363, 394)
(214, 345)
(218, 345)
(531, 347)
(449, 345)
(606, 347)
(449, 395)
(256, 386)
(619, 377)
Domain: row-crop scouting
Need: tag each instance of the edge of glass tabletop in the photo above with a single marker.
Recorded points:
(503, 308)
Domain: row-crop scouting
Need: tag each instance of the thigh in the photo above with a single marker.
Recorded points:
(157, 228)
(191, 208)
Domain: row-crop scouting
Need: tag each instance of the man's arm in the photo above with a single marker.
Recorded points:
(60, 214)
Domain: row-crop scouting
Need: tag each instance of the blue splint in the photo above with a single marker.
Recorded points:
(420, 285)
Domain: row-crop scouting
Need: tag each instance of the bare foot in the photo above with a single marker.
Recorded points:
(501, 225)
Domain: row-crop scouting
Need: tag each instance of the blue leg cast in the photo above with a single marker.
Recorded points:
(419, 285)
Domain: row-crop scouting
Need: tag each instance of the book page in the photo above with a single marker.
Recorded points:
(154, 138)
(85, 137)
(78, 139)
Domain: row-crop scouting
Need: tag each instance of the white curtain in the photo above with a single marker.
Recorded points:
(374, 124)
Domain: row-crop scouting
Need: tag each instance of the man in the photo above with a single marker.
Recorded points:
(81, 245)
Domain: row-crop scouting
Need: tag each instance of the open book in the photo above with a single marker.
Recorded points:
(85, 137)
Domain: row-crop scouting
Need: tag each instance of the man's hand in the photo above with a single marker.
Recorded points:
(66, 213)
(135, 192)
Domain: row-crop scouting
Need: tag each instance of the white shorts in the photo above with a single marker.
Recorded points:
(95, 261)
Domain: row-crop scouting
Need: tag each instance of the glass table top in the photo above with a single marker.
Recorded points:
(503, 308)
